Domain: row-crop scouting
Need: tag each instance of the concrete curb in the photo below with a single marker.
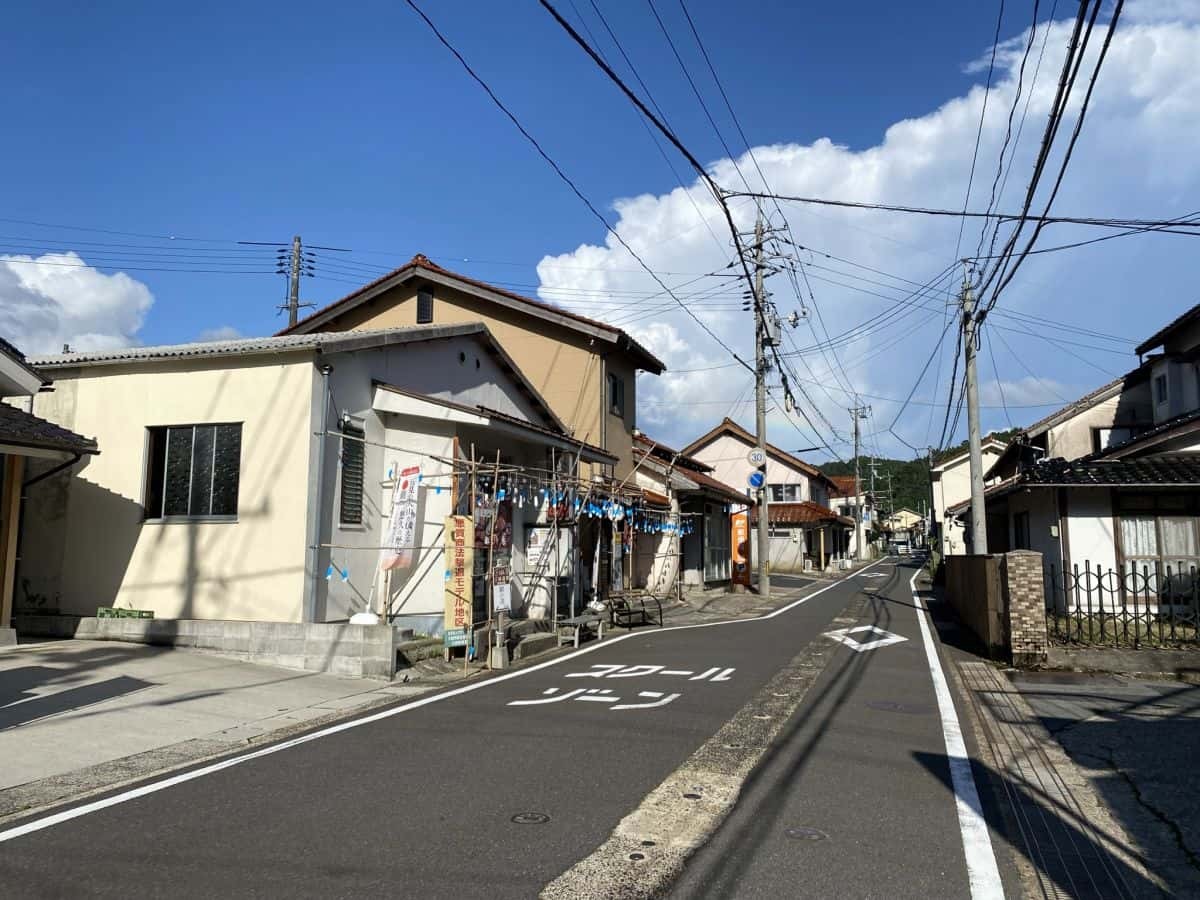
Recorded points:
(647, 851)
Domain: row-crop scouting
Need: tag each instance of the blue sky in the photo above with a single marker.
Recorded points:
(351, 125)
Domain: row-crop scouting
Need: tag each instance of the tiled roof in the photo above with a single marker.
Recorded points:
(1160, 432)
(19, 358)
(21, 429)
(333, 340)
(662, 451)
(718, 487)
(1168, 470)
(844, 484)
(1150, 471)
(804, 513)
(420, 261)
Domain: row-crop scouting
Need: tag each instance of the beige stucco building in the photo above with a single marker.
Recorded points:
(951, 484)
(252, 480)
(586, 370)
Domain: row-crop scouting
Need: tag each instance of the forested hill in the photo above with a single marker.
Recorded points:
(909, 477)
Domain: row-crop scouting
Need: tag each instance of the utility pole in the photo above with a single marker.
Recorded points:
(856, 413)
(970, 325)
(293, 306)
(760, 407)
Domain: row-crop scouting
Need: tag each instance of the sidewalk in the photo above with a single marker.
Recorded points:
(1136, 741)
(1057, 821)
(78, 716)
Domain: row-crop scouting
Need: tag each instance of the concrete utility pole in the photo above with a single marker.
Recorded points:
(856, 413)
(760, 407)
(970, 325)
(294, 283)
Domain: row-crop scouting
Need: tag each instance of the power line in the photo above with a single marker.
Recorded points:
(1112, 222)
(558, 170)
(979, 131)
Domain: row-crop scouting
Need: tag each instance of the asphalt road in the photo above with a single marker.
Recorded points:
(423, 802)
(856, 798)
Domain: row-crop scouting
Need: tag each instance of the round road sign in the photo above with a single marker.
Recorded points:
(756, 457)
(755, 480)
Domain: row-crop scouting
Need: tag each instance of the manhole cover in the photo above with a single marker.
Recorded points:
(895, 706)
(803, 833)
(530, 818)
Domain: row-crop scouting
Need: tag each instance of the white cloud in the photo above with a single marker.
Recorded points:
(1135, 158)
(223, 333)
(1027, 395)
(57, 298)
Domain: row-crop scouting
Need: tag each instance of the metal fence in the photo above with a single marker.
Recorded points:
(1141, 606)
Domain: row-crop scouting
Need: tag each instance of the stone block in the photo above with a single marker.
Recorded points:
(534, 644)
(290, 630)
(264, 638)
(345, 665)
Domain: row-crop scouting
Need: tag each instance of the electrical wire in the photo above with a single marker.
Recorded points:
(561, 174)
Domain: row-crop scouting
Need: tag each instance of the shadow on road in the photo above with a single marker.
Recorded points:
(722, 875)
(1068, 855)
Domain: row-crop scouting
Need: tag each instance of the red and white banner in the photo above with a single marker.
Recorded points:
(402, 524)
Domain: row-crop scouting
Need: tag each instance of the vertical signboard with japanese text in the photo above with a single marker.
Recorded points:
(402, 523)
(460, 564)
(739, 524)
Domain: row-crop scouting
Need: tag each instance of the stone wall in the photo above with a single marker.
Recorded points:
(359, 651)
(1024, 604)
(1001, 599)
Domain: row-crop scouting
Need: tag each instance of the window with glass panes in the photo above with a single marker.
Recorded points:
(785, 493)
(193, 471)
(1158, 533)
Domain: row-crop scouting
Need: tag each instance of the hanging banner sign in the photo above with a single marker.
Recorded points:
(460, 564)
(402, 523)
(739, 524)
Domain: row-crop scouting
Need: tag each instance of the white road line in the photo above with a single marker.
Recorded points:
(156, 786)
(982, 873)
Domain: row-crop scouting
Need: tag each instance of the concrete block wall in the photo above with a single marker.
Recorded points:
(357, 651)
(1025, 606)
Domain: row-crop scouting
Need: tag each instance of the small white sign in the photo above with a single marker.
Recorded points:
(756, 457)
(884, 639)
(502, 597)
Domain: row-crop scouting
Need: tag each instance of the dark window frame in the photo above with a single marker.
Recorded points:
(213, 439)
(1160, 389)
(616, 395)
(352, 468)
(424, 306)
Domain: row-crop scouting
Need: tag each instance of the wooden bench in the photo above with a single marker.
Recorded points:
(576, 625)
(623, 609)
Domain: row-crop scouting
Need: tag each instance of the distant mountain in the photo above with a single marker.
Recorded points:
(909, 484)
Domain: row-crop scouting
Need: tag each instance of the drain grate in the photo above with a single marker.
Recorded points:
(530, 818)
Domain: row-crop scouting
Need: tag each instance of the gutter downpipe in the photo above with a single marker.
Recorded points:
(316, 489)
(76, 457)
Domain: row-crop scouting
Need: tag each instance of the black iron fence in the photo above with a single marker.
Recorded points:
(1143, 605)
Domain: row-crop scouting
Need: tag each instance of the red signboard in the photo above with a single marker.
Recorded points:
(739, 524)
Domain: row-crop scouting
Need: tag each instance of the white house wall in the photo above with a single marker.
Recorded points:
(1090, 529)
(415, 594)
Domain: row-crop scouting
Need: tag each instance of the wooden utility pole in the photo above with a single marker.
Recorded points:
(970, 325)
(294, 282)
(760, 409)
